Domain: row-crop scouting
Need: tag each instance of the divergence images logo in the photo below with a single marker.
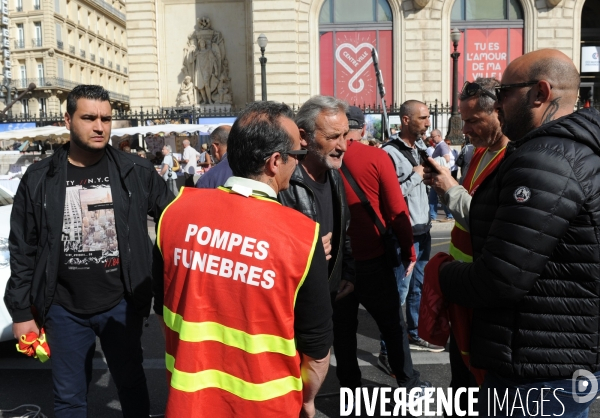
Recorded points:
(580, 382)
(595, 55)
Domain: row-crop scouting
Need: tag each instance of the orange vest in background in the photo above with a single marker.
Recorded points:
(460, 239)
(233, 266)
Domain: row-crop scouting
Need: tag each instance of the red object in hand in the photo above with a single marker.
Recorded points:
(34, 346)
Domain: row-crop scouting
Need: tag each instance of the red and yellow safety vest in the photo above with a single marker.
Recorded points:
(460, 239)
(233, 268)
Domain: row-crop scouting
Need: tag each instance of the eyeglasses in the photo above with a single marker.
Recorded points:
(473, 89)
(501, 89)
(297, 154)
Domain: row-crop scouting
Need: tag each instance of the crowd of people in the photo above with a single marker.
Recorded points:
(305, 224)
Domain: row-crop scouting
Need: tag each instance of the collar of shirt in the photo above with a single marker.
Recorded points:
(257, 187)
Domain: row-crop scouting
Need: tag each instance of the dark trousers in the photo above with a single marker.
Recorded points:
(461, 376)
(72, 341)
(376, 290)
(189, 180)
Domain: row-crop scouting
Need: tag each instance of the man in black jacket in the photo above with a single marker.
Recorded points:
(81, 256)
(535, 283)
(316, 188)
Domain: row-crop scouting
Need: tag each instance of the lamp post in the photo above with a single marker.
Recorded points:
(455, 134)
(262, 43)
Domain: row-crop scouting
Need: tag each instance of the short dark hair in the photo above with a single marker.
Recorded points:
(257, 134)
(409, 107)
(220, 135)
(85, 91)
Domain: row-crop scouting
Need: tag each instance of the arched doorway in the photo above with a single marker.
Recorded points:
(348, 29)
(492, 36)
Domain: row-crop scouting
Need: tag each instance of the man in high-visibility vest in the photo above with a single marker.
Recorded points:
(481, 124)
(246, 303)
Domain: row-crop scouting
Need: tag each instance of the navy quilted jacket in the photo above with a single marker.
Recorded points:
(535, 279)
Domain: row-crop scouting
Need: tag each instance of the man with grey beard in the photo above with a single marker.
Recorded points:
(534, 283)
(316, 188)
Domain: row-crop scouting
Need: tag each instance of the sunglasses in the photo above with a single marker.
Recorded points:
(473, 89)
(297, 154)
(502, 89)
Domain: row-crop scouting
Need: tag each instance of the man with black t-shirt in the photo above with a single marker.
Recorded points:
(80, 256)
(316, 188)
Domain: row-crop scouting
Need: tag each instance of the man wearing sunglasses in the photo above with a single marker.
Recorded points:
(228, 270)
(534, 282)
(316, 188)
(481, 125)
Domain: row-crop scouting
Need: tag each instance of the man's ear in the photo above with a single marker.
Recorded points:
(543, 92)
(303, 138)
(273, 164)
(364, 131)
(405, 120)
(67, 121)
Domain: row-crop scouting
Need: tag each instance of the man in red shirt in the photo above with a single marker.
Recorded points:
(375, 286)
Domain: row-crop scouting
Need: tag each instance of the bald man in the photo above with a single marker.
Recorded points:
(534, 282)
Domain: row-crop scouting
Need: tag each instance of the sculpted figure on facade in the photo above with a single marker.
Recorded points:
(205, 64)
(186, 96)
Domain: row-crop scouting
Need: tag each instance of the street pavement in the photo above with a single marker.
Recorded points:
(26, 381)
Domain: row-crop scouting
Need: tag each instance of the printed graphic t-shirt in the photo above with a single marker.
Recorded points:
(89, 273)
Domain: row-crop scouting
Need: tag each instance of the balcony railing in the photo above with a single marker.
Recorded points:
(20, 44)
(101, 61)
(58, 83)
(109, 64)
(60, 45)
(108, 7)
(72, 49)
(19, 8)
(82, 53)
(118, 67)
(37, 6)
(92, 58)
(36, 42)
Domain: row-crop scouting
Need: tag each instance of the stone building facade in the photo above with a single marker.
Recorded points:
(58, 44)
(302, 60)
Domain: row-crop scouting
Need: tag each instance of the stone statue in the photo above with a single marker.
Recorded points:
(186, 96)
(205, 64)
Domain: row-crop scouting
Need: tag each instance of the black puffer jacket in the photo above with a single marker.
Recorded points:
(299, 196)
(535, 279)
(36, 224)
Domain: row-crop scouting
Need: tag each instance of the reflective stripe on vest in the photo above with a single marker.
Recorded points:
(211, 331)
(460, 244)
(192, 382)
(231, 278)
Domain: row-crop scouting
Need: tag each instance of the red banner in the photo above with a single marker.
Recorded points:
(347, 70)
(487, 52)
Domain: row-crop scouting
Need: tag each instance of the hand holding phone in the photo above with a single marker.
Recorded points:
(425, 161)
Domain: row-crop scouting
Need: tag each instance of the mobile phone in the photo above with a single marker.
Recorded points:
(425, 160)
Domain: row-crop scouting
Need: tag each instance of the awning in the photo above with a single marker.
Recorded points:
(156, 129)
(43, 132)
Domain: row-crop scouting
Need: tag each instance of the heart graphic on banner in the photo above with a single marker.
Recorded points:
(348, 61)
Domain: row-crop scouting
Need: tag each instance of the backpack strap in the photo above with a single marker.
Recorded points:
(405, 152)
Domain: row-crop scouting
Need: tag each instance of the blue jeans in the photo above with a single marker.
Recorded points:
(433, 202)
(72, 341)
(409, 288)
(554, 396)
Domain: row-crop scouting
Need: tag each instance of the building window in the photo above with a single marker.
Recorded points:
(61, 70)
(589, 92)
(20, 42)
(23, 76)
(40, 74)
(492, 36)
(37, 37)
(25, 105)
(19, 5)
(42, 102)
(349, 29)
(36, 5)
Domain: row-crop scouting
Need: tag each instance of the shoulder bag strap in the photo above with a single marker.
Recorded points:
(363, 199)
